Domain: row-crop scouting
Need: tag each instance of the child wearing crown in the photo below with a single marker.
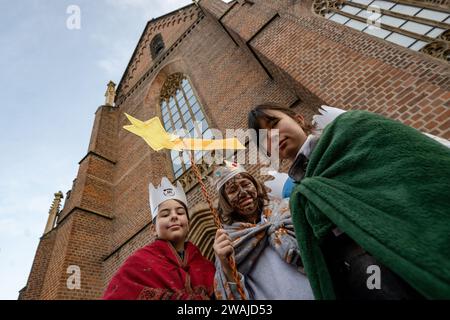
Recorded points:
(171, 267)
(258, 231)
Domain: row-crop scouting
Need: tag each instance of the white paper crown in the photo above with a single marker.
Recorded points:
(326, 115)
(165, 191)
(225, 172)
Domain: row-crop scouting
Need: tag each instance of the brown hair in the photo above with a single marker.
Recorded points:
(259, 113)
(226, 212)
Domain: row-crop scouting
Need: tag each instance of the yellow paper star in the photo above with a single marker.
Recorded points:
(158, 138)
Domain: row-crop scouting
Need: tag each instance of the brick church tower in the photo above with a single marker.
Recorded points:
(211, 62)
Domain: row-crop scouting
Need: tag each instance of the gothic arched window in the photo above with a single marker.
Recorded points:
(182, 115)
(420, 28)
(156, 45)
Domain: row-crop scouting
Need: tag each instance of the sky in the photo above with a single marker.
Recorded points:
(53, 76)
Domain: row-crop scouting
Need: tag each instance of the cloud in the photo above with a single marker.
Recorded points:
(10, 227)
(118, 53)
(115, 64)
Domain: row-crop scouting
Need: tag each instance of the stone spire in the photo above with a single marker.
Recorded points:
(110, 94)
(53, 212)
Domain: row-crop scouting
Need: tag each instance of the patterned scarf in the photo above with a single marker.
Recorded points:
(249, 240)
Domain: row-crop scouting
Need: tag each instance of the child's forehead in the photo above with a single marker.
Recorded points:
(237, 180)
(170, 204)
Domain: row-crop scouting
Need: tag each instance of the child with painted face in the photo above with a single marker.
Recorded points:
(370, 204)
(171, 267)
(258, 231)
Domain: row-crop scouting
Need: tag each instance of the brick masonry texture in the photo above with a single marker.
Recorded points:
(236, 56)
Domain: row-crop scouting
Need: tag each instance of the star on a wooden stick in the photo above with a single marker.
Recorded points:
(158, 138)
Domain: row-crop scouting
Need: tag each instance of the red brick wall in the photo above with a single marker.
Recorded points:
(39, 268)
(349, 69)
(299, 58)
(93, 189)
(86, 249)
(104, 133)
(203, 55)
(209, 52)
(56, 265)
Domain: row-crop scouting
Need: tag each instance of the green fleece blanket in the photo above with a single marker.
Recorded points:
(388, 187)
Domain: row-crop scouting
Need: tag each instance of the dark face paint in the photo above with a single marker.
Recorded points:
(242, 195)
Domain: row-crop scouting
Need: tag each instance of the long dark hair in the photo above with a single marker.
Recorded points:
(259, 114)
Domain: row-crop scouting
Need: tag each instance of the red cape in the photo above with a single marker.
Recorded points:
(156, 272)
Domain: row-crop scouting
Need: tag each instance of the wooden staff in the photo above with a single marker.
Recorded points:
(208, 199)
